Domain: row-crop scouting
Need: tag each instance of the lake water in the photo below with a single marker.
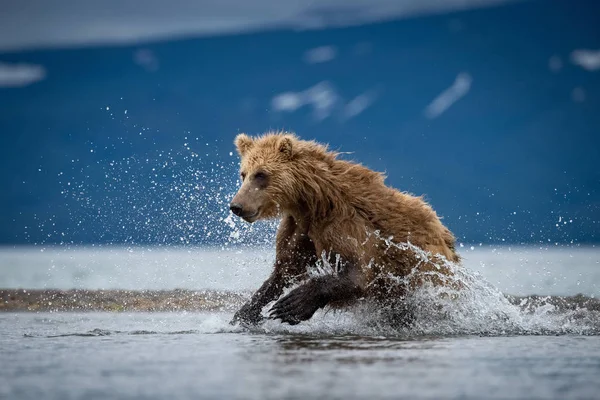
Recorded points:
(197, 355)
(480, 346)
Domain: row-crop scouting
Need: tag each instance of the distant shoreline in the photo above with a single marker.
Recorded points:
(117, 300)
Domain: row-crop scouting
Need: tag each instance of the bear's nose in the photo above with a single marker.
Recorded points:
(236, 208)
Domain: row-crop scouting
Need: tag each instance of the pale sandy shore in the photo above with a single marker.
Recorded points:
(118, 300)
(26, 300)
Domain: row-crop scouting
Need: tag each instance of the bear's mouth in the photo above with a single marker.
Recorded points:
(252, 217)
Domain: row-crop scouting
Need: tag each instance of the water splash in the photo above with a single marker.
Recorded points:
(161, 197)
(477, 308)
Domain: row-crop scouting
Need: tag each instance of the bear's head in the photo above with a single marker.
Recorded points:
(267, 171)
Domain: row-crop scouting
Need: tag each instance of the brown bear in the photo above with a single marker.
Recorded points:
(340, 212)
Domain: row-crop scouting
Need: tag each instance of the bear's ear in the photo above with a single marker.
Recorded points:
(243, 143)
(285, 146)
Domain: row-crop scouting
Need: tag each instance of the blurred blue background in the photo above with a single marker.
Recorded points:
(117, 119)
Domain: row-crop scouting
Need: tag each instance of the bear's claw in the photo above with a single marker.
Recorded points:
(299, 305)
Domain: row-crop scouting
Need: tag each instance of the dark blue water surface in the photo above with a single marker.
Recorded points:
(100, 151)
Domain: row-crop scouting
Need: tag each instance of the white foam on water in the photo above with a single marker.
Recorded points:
(477, 308)
(218, 323)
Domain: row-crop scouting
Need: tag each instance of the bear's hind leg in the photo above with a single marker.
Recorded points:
(396, 314)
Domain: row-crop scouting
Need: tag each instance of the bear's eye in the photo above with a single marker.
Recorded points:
(260, 175)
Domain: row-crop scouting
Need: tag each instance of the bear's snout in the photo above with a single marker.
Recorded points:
(236, 208)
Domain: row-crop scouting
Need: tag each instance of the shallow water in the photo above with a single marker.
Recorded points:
(476, 346)
(198, 355)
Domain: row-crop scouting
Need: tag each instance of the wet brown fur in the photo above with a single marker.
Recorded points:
(337, 207)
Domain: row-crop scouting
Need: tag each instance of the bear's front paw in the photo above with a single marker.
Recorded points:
(247, 316)
(298, 305)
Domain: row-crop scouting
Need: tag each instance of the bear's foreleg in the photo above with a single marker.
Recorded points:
(301, 303)
(294, 252)
(271, 289)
